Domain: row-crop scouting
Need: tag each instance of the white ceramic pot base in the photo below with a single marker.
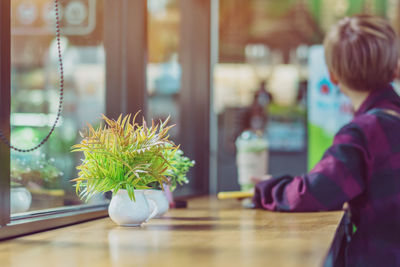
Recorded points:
(160, 201)
(125, 212)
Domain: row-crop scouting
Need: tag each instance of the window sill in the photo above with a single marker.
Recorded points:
(39, 221)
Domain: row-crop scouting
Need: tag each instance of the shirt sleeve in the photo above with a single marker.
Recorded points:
(339, 177)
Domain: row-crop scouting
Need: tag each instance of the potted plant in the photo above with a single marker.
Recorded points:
(180, 167)
(20, 198)
(177, 175)
(124, 157)
(33, 176)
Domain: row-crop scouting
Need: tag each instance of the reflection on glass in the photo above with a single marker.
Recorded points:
(259, 58)
(41, 179)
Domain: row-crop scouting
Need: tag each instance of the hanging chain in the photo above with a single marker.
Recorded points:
(44, 140)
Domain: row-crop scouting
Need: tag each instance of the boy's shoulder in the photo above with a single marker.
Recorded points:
(363, 122)
(376, 117)
(360, 128)
(367, 121)
(374, 124)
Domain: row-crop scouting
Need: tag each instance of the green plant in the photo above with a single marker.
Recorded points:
(39, 172)
(123, 155)
(180, 167)
(177, 174)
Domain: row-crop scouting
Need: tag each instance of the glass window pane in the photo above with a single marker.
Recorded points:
(164, 68)
(41, 179)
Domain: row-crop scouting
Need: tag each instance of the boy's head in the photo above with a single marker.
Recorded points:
(362, 53)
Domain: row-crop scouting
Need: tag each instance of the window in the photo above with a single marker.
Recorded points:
(104, 48)
(178, 79)
(164, 69)
(36, 190)
(41, 179)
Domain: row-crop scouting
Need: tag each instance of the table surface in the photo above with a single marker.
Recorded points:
(208, 233)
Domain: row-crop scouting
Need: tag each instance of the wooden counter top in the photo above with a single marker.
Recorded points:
(208, 233)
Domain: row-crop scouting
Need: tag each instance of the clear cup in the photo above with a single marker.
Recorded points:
(251, 158)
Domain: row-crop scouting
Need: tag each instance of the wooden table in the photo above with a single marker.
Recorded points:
(208, 233)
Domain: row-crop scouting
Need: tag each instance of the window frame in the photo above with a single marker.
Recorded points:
(38, 221)
(5, 99)
(195, 55)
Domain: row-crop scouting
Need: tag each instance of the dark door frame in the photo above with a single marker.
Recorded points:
(125, 40)
(5, 99)
(195, 57)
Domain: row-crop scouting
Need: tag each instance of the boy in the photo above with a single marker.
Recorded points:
(362, 167)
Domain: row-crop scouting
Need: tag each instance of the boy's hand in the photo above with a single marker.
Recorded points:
(256, 180)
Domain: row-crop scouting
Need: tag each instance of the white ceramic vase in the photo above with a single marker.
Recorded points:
(20, 199)
(125, 212)
(161, 201)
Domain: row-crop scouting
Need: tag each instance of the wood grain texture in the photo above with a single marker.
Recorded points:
(208, 233)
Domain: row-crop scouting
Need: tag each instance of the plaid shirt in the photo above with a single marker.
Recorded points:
(362, 167)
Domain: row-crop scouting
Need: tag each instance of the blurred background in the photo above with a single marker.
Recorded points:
(268, 76)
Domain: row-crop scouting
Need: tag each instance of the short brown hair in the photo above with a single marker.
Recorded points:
(362, 51)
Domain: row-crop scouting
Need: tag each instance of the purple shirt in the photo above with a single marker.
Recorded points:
(362, 167)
